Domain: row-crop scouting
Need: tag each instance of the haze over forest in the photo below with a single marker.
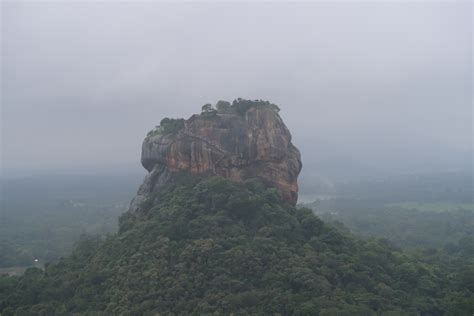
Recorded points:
(365, 209)
(365, 88)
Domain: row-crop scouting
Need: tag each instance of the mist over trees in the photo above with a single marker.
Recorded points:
(378, 99)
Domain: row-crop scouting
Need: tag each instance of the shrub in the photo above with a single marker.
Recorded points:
(208, 110)
(241, 106)
(171, 126)
(223, 106)
(167, 126)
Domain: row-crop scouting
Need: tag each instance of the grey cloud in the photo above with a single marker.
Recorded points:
(388, 84)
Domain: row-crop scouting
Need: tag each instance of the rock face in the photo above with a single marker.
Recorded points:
(237, 146)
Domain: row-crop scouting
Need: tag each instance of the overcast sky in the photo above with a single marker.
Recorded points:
(386, 85)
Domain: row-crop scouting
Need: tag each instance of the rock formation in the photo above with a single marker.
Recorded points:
(245, 140)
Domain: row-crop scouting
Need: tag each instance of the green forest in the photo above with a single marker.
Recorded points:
(207, 246)
(43, 216)
(236, 158)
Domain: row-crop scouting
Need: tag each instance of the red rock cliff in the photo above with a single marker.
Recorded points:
(237, 146)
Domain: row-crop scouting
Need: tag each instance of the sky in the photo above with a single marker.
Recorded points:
(372, 86)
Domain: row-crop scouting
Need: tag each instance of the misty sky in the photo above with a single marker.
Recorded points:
(384, 85)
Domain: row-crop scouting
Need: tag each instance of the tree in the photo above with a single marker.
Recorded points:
(208, 110)
(222, 106)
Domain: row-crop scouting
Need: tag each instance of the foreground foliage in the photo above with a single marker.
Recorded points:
(209, 246)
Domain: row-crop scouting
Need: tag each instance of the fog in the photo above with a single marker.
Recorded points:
(364, 87)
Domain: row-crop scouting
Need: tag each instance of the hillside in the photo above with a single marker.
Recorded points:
(207, 236)
(211, 246)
